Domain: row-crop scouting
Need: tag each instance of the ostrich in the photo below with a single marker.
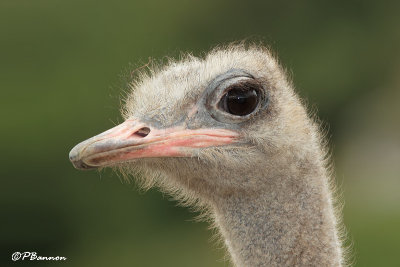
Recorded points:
(226, 132)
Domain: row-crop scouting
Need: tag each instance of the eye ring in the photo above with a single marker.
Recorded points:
(217, 90)
(240, 99)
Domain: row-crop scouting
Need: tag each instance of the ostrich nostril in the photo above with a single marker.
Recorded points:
(142, 132)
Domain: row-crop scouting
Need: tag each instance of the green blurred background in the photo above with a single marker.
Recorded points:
(60, 78)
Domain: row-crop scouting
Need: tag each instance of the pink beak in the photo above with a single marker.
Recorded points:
(134, 139)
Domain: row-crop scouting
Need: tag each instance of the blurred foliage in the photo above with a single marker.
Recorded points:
(60, 63)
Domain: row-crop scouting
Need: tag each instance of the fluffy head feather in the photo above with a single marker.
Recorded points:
(275, 135)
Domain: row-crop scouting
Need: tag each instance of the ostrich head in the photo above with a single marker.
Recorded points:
(203, 126)
(228, 133)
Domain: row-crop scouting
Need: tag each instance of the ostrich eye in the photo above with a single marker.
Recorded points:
(240, 101)
(235, 97)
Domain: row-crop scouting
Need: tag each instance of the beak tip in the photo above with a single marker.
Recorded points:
(77, 162)
(80, 165)
(73, 154)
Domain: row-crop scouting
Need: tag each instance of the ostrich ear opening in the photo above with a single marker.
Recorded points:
(134, 139)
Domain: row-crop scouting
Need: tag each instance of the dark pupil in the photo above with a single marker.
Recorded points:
(241, 102)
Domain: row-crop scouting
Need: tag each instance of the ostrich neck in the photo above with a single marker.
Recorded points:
(291, 223)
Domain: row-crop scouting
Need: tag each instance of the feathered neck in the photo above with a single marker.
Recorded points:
(291, 223)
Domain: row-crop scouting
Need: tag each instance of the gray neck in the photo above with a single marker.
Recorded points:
(291, 223)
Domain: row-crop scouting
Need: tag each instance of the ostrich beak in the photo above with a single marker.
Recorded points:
(134, 139)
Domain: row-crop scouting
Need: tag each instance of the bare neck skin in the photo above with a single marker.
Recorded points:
(291, 223)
